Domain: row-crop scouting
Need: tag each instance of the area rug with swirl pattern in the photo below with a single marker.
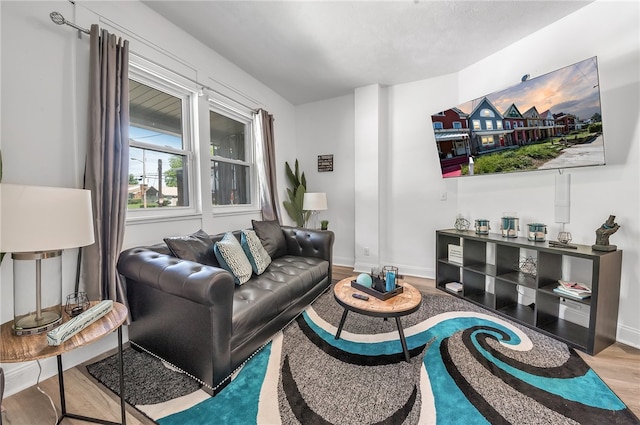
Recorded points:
(467, 366)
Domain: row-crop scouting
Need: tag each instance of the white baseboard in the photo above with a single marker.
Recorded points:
(628, 336)
(24, 375)
(343, 261)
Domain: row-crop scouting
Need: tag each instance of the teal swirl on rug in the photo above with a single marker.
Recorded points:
(467, 367)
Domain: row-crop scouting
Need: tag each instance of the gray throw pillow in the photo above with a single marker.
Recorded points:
(271, 236)
(196, 247)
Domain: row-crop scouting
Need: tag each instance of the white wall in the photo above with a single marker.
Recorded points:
(327, 128)
(415, 188)
(412, 191)
(44, 101)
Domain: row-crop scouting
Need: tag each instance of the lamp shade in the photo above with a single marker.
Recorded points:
(314, 201)
(38, 218)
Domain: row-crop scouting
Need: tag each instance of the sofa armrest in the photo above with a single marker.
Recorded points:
(196, 282)
(181, 311)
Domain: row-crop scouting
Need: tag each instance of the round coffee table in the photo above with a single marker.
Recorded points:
(400, 305)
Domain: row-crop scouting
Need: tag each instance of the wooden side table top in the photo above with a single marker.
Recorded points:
(405, 303)
(14, 348)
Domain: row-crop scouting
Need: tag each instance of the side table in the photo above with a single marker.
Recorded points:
(15, 349)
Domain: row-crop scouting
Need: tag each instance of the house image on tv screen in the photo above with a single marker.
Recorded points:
(561, 126)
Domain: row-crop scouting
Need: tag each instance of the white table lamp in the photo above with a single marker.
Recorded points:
(37, 223)
(314, 202)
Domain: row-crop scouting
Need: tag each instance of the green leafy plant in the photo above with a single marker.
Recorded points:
(524, 158)
(295, 193)
(324, 224)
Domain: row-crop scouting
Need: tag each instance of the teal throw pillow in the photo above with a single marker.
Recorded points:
(257, 255)
(232, 258)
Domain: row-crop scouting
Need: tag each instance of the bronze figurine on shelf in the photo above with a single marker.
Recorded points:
(607, 229)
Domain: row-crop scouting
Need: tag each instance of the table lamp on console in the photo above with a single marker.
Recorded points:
(314, 202)
(37, 224)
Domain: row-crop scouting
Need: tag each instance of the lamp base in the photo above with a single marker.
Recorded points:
(31, 325)
(312, 222)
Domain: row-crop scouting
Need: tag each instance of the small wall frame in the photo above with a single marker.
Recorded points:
(325, 163)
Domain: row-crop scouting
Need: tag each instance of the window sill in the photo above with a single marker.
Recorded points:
(227, 212)
(146, 219)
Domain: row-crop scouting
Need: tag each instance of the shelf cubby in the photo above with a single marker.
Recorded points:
(474, 288)
(518, 278)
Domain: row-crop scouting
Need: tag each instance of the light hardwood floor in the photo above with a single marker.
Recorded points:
(618, 366)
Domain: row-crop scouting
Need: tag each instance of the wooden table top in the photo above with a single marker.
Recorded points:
(14, 348)
(406, 302)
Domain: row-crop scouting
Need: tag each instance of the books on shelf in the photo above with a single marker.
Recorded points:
(573, 289)
(455, 254)
(574, 286)
(453, 286)
(566, 293)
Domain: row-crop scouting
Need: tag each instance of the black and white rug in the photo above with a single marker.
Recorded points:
(467, 367)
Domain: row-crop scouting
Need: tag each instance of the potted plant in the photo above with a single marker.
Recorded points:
(293, 206)
(324, 224)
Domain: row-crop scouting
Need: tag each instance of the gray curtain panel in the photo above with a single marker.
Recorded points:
(267, 166)
(107, 166)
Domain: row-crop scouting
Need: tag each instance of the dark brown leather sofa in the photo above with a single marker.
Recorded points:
(193, 316)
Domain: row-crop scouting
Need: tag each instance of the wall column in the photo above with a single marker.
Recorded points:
(369, 141)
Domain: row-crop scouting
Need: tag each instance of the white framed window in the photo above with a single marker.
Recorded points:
(161, 142)
(488, 124)
(476, 124)
(457, 124)
(437, 125)
(231, 157)
(507, 125)
(499, 125)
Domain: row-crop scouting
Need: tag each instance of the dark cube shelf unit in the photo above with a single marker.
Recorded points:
(492, 277)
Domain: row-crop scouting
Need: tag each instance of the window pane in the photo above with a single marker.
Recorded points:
(487, 113)
(155, 116)
(227, 137)
(229, 184)
(157, 179)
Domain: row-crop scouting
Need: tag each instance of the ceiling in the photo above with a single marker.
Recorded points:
(313, 50)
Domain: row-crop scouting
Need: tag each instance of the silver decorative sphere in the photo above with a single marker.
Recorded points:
(462, 223)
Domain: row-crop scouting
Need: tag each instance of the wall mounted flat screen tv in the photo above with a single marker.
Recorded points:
(553, 121)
